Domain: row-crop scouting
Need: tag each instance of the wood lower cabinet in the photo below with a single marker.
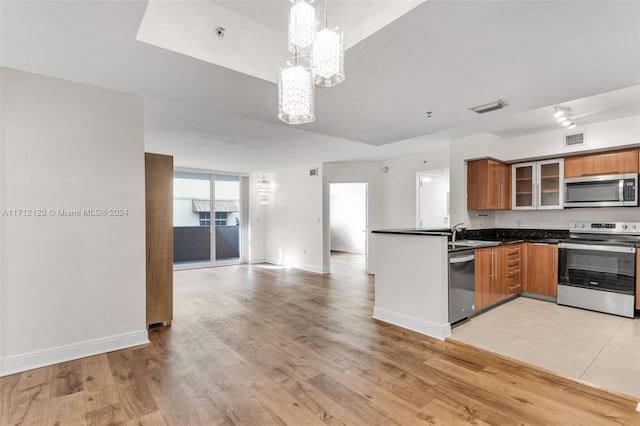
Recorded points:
(498, 273)
(484, 277)
(488, 185)
(603, 163)
(512, 269)
(159, 231)
(542, 269)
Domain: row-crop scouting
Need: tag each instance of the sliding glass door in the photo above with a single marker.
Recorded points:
(207, 233)
(191, 218)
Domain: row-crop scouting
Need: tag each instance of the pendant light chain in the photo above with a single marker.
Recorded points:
(326, 19)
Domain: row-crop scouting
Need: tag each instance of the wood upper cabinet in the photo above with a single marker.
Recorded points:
(542, 269)
(488, 185)
(603, 163)
(538, 185)
(159, 231)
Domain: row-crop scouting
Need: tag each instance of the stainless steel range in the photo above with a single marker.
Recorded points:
(597, 267)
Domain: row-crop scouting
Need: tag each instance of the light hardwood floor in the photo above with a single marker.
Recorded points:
(258, 345)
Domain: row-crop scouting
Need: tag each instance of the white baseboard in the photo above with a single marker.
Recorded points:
(353, 250)
(428, 328)
(28, 361)
(313, 268)
(258, 260)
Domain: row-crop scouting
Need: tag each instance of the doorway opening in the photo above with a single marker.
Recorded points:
(348, 227)
(433, 199)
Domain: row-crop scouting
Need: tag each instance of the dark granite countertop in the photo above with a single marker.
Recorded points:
(409, 231)
(501, 235)
(511, 236)
(504, 235)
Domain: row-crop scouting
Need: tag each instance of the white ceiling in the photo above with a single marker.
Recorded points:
(255, 32)
(442, 56)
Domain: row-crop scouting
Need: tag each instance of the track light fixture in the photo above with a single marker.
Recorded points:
(562, 115)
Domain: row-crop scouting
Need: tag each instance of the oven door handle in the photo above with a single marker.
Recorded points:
(590, 247)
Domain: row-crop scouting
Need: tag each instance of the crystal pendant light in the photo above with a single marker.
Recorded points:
(327, 55)
(302, 27)
(296, 92)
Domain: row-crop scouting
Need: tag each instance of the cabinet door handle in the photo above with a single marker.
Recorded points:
(515, 286)
(491, 273)
(493, 264)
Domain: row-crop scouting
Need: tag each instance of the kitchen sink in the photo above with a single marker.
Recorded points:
(473, 243)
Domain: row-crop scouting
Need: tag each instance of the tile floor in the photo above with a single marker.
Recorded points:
(598, 348)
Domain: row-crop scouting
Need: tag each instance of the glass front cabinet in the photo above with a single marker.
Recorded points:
(538, 185)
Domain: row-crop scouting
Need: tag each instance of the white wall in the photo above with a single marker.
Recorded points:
(399, 185)
(295, 222)
(71, 286)
(369, 172)
(603, 135)
(348, 217)
(258, 220)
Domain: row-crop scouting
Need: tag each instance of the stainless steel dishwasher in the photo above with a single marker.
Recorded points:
(462, 286)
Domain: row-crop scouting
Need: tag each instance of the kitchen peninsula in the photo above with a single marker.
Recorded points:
(411, 289)
(412, 268)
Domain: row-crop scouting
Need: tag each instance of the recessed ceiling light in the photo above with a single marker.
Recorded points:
(492, 106)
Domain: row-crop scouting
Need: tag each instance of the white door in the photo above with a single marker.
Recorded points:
(348, 217)
(433, 199)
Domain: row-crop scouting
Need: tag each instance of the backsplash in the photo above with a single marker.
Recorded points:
(513, 234)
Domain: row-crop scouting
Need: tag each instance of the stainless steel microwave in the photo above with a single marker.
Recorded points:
(601, 191)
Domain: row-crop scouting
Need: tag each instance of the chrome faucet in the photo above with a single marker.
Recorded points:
(454, 229)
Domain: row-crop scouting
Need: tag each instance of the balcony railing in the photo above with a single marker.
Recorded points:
(193, 243)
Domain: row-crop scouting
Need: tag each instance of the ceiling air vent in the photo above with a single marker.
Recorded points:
(481, 109)
(574, 139)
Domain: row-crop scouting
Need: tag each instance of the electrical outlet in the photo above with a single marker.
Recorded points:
(482, 224)
(305, 251)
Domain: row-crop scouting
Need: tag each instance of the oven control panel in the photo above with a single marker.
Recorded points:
(631, 228)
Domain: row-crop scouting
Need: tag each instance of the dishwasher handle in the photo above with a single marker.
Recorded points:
(462, 259)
